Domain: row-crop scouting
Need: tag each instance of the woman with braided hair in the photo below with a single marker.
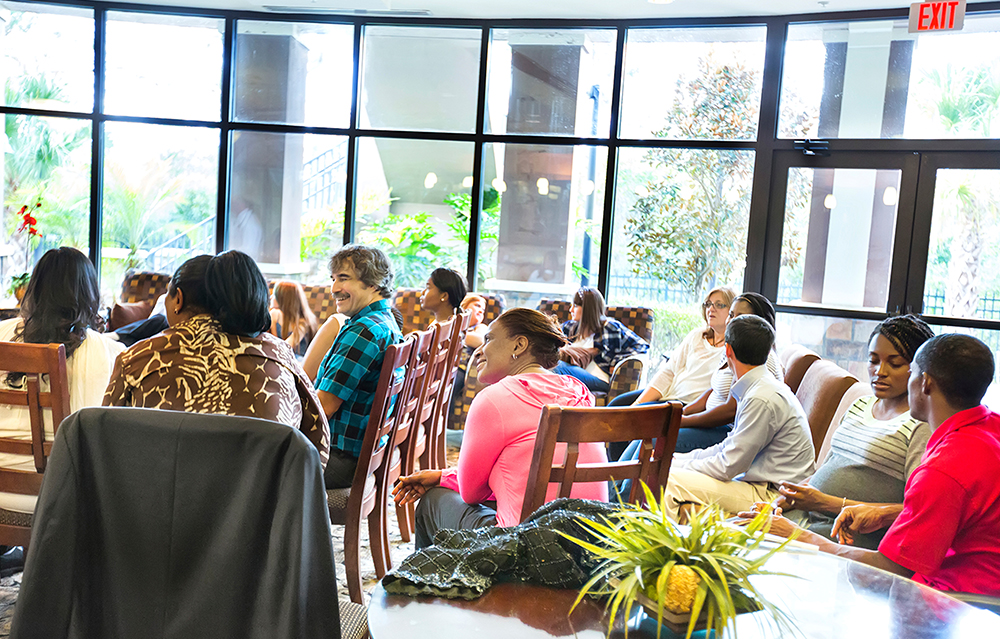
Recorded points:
(877, 445)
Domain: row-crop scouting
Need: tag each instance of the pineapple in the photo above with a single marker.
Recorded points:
(682, 585)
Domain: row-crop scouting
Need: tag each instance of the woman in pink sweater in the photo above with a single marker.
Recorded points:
(488, 486)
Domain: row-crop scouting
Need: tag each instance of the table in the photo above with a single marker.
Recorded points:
(833, 599)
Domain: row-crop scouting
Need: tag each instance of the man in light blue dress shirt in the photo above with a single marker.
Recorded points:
(770, 441)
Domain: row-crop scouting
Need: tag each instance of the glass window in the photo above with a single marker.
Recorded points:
(872, 79)
(294, 73)
(164, 66)
(680, 228)
(843, 341)
(540, 232)
(551, 82)
(413, 203)
(160, 198)
(420, 79)
(286, 201)
(693, 84)
(962, 277)
(838, 237)
(49, 57)
(47, 176)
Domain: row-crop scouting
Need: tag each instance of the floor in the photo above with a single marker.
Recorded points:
(9, 586)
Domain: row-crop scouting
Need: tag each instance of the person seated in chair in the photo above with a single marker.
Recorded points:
(349, 373)
(519, 350)
(878, 444)
(443, 294)
(598, 342)
(770, 441)
(946, 533)
(217, 356)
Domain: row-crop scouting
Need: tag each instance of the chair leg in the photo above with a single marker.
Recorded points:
(405, 525)
(352, 559)
(378, 540)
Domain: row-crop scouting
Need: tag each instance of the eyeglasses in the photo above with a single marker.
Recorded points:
(718, 305)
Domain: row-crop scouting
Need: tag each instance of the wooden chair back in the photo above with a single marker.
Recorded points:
(368, 494)
(34, 361)
(443, 401)
(655, 425)
(438, 369)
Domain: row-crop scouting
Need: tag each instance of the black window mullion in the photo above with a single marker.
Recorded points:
(97, 140)
(225, 139)
(607, 223)
(759, 221)
(352, 139)
(476, 199)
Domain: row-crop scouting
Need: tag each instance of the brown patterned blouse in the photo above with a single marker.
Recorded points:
(195, 367)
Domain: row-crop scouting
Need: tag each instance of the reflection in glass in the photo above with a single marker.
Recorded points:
(286, 201)
(962, 278)
(160, 198)
(293, 73)
(838, 237)
(872, 79)
(420, 79)
(413, 203)
(843, 341)
(551, 82)
(49, 57)
(540, 232)
(165, 66)
(693, 83)
(48, 163)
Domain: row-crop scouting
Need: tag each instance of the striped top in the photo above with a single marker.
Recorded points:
(871, 459)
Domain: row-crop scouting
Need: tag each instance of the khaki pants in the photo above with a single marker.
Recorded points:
(732, 496)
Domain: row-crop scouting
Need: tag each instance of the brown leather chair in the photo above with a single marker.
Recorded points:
(854, 393)
(34, 360)
(368, 495)
(656, 425)
(823, 386)
(796, 360)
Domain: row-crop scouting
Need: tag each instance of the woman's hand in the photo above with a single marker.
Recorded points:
(412, 487)
(779, 526)
(805, 497)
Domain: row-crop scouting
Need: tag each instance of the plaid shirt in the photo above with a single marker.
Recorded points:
(351, 371)
(615, 343)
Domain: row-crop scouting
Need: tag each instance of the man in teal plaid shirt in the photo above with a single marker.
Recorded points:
(347, 378)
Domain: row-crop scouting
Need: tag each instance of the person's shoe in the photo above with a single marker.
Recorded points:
(12, 561)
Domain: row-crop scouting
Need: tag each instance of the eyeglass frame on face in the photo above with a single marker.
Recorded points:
(719, 306)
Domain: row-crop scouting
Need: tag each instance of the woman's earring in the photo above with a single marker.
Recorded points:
(513, 355)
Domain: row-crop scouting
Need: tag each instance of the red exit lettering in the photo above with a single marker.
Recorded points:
(936, 16)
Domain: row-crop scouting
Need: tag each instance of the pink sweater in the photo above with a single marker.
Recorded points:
(500, 439)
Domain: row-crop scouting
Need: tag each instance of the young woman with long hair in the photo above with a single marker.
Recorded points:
(291, 318)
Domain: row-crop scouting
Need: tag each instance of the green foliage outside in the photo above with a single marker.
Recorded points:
(671, 323)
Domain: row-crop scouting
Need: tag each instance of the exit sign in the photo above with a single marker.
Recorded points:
(937, 15)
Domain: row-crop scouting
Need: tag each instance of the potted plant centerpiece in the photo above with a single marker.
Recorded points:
(686, 576)
(29, 225)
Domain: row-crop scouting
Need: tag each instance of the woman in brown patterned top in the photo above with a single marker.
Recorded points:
(217, 356)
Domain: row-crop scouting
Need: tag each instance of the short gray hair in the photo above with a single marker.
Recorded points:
(371, 265)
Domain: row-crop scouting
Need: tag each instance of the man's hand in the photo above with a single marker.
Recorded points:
(805, 497)
(862, 518)
(412, 487)
(778, 525)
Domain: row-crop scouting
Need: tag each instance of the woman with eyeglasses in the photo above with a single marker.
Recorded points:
(689, 371)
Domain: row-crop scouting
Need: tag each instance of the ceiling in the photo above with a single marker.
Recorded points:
(492, 9)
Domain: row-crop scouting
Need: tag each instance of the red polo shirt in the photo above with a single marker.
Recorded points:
(949, 530)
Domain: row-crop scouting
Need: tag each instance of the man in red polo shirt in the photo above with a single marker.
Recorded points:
(946, 533)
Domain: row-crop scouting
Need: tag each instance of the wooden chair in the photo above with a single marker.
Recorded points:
(415, 317)
(436, 436)
(439, 367)
(34, 360)
(656, 425)
(822, 387)
(368, 495)
(796, 360)
(495, 306)
(410, 437)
